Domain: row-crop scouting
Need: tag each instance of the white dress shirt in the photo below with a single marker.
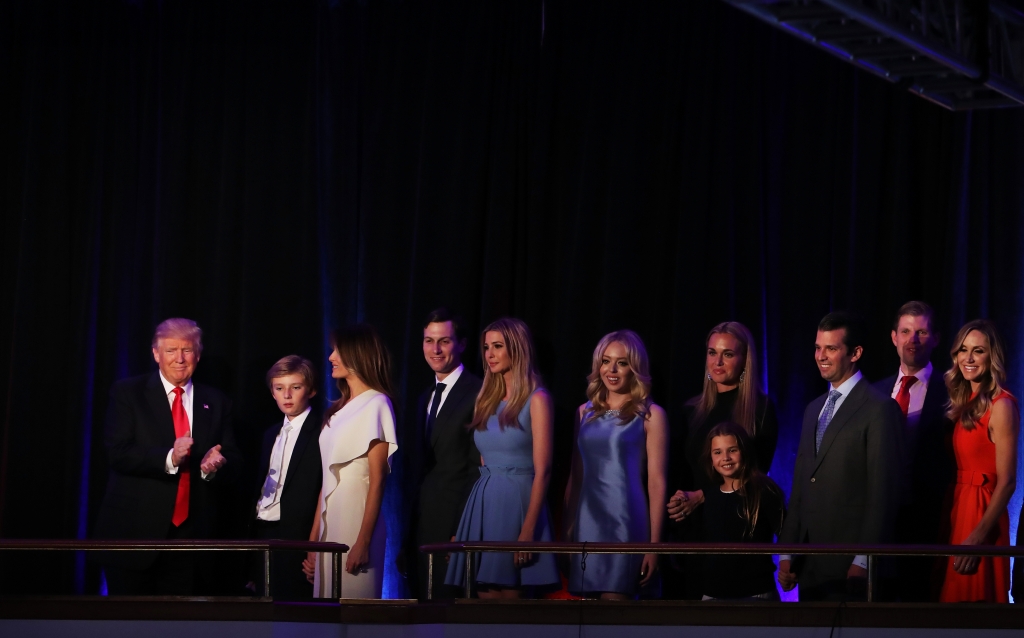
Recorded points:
(449, 383)
(918, 391)
(186, 402)
(273, 512)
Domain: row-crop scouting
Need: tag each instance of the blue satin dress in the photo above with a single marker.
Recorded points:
(497, 506)
(612, 503)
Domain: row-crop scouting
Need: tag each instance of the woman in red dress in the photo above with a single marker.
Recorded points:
(985, 446)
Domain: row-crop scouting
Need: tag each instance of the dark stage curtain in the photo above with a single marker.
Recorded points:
(274, 168)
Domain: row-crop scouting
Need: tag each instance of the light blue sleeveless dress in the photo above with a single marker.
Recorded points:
(612, 503)
(497, 506)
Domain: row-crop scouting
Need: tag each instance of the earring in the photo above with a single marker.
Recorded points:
(709, 376)
(743, 375)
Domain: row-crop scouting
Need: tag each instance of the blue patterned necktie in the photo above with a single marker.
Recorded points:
(825, 418)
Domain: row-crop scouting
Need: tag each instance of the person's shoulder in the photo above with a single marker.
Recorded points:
(209, 392)
(655, 411)
(886, 385)
(540, 396)
(134, 386)
(470, 379)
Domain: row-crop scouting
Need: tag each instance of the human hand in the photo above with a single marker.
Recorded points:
(647, 568)
(682, 504)
(358, 558)
(522, 559)
(968, 565)
(180, 450)
(787, 578)
(309, 566)
(212, 461)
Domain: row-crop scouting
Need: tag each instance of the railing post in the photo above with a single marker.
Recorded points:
(336, 575)
(469, 574)
(430, 575)
(266, 572)
(871, 577)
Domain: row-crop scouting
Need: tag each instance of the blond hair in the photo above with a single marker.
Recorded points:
(639, 402)
(745, 410)
(961, 407)
(292, 364)
(180, 328)
(524, 378)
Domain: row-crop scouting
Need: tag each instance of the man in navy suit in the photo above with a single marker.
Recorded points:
(847, 477)
(170, 443)
(291, 475)
(921, 394)
(441, 463)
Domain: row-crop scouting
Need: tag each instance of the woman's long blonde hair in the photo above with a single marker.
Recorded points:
(961, 407)
(524, 378)
(639, 402)
(745, 410)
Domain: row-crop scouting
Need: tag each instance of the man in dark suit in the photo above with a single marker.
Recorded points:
(930, 468)
(291, 475)
(158, 488)
(846, 481)
(440, 461)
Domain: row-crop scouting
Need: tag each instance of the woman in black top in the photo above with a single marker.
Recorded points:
(744, 506)
(732, 392)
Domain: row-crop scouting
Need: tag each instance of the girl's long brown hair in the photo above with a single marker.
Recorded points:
(961, 407)
(639, 403)
(365, 355)
(753, 482)
(750, 392)
(524, 378)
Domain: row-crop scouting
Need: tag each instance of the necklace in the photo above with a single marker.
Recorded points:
(613, 412)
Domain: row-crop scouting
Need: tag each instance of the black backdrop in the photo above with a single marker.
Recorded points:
(273, 168)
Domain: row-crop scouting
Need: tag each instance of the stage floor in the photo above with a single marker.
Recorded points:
(85, 616)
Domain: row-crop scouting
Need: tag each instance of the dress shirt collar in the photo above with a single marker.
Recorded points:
(847, 386)
(298, 420)
(452, 377)
(924, 375)
(168, 386)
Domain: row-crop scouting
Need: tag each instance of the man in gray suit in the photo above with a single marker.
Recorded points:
(846, 482)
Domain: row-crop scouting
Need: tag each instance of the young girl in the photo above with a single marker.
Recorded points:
(745, 507)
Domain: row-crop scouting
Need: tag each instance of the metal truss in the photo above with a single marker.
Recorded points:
(959, 54)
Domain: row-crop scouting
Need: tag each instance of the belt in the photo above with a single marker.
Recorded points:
(487, 470)
(978, 479)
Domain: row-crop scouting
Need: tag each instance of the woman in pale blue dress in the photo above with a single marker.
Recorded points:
(619, 431)
(512, 424)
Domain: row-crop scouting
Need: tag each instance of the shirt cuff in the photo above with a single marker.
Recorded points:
(169, 467)
(861, 561)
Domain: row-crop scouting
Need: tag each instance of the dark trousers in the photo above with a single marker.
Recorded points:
(287, 581)
(823, 578)
(171, 574)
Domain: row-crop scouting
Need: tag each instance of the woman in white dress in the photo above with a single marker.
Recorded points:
(356, 444)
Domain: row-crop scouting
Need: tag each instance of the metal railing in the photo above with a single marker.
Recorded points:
(266, 546)
(871, 551)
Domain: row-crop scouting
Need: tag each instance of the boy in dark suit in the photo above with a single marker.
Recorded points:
(291, 471)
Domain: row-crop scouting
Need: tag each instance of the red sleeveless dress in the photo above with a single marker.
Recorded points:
(976, 479)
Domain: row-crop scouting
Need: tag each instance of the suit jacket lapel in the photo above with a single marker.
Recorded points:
(201, 420)
(451, 403)
(306, 434)
(160, 407)
(842, 416)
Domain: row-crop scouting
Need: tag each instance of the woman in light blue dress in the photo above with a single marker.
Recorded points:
(512, 426)
(619, 434)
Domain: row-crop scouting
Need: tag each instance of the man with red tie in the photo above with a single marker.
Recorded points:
(921, 394)
(169, 443)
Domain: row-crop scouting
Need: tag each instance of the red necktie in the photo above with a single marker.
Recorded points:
(181, 429)
(903, 396)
